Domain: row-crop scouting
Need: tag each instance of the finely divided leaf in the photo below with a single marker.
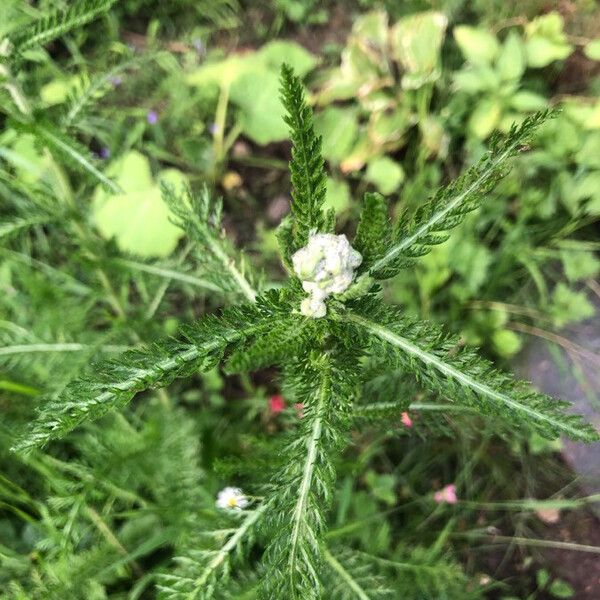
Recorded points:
(304, 484)
(112, 384)
(58, 23)
(449, 206)
(462, 376)
(374, 231)
(205, 567)
(200, 217)
(307, 167)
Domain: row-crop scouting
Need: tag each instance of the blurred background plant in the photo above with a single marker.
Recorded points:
(140, 92)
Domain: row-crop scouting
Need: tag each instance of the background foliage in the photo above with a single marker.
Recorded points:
(95, 260)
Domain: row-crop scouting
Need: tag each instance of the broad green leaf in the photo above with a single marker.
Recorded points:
(506, 342)
(338, 128)
(591, 116)
(31, 164)
(224, 73)
(416, 43)
(435, 138)
(471, 260)
(589, 151)
(382, 486)
(361, 65)
(485, 117)
(477, 79)
(592, 50)
(261, 117)
(546, 40)
(525, 101)
(579, 265)
(542, 577)
(433, 271)
(389, 127)
(363, 151)
(277, 52)
(561, 589)
(577, 189)
(479, 46)
(337, 195)
(385, 173)
(340, 85)
(511, 62)
(569, 306)
(138, 219)
(372, 28)
(57, 91)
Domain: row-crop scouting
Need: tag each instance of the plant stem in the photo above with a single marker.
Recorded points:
(224, 552)
(307, 474)
(220, 121)
(339, 569)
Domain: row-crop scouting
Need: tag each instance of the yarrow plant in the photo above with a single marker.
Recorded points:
(327, 330)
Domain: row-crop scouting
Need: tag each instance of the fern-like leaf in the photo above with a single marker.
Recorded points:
(374, 229)
(90, 91)
(204, 570)
(58, 23)
(304, 484)
(307, 167)
(448, 207)
(114, 383)
(354, 578)
(200, 218)
(461, 375)
(284, 341)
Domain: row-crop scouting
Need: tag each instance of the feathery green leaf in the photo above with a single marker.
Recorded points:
(200, 218)
(307, 167)
(303, 485)
(58, 23)
(114, 383)
(374, 231)
(463, 376)
(448, 207)
(204, 570)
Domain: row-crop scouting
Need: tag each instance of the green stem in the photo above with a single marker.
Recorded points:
(533, 542)
(307, 475)
(220, 122)
(66, 347)
(344, 575)
(229, 264)
(222, 554)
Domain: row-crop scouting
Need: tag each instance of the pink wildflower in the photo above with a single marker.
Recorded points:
(406, 420)
(446, 494)
(276, 403)
(299, 409)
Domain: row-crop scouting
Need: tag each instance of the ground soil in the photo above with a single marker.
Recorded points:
(580, 569)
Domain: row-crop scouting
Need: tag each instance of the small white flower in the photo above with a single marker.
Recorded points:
(326, 266)
(231, 498)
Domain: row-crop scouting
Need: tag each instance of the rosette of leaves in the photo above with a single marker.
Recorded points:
(321, 362)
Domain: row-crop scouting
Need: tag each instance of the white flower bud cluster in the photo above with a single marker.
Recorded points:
(326, 266)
